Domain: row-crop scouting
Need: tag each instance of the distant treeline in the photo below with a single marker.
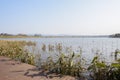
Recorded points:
(22, 35)
(117, 35)
(6, 35)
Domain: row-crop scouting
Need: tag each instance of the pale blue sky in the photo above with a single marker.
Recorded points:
(72, 17)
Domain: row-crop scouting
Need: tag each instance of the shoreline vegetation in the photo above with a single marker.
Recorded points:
(16, 50)
(6, 35)
(66, 64)
(117, 35)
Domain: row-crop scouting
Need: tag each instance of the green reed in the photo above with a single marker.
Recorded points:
(70, 64)
(73, 64)
(16, 50)
(67, 64)
(99, 70)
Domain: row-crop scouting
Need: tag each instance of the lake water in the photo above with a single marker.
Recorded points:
(89, 47)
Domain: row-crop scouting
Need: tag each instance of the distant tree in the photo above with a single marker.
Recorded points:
(22, 35)
(117, 35)
(5, 34)
(37, 35)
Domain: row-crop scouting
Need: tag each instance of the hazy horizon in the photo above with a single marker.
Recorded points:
(60, 17)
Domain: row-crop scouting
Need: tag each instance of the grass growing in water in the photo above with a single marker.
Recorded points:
(67, 64)
(70, 64)
(16, 50)
(102, 71)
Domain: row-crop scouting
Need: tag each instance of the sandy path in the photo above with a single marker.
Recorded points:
(13, 70)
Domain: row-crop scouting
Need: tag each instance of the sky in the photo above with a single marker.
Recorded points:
(70, 17)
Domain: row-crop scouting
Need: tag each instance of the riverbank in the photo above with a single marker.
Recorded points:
(14, 70)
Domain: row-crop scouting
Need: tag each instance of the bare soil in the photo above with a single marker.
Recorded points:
(14, 70)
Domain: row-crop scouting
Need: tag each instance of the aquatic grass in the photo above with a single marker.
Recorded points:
(70, 64)
(43, 47)
(16, 50)
(59, 47)
(99, 70)
(116, 53)
(51, 47)
(73, 64)
(66, 64)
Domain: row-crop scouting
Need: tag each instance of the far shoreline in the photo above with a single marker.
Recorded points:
(6, 35)
(85, 36)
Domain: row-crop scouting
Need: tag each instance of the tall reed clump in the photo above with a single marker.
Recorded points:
(100, 70)
(16, 50)
(43, 47)
(71, 64)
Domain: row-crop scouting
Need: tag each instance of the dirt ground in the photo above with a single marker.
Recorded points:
(14, 70)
